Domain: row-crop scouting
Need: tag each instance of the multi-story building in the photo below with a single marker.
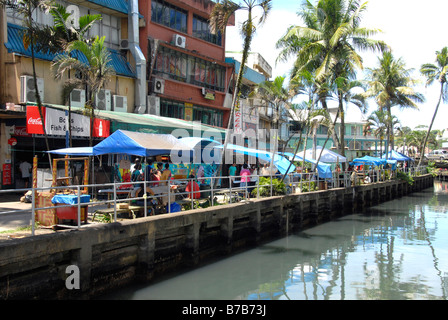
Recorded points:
(166, 62)
(188, 77)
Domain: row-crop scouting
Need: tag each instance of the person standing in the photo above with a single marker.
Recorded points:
(166, 173)
(232, 173)
(25, 168)
(245, 175)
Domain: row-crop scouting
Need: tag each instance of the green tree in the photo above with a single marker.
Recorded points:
(274, 94)
(219, 18)
(436, 72)
(376, 122)
(391, 84)
(327, 44)
(94, 73)
(27, 9)
(54, 39)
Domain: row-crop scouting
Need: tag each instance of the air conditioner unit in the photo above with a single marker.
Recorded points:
(159, 86)
(28, 89)
(103, 100)
(124, 44)
(78, 98)
(120, 103)
(153, 105)
(179, 41)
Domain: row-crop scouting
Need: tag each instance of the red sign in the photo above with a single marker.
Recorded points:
(33, 120)
(7, 174)
(20, 131)
(101, 128)
(12, 141)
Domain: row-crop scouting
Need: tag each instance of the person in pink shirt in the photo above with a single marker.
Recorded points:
(245, 175)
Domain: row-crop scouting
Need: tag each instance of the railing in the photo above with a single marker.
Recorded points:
(211, 193)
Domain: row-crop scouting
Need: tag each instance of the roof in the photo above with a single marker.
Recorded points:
(140, 144)
(148, 123)
(15, 45)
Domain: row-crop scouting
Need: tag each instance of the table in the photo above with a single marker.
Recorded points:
(70, 213)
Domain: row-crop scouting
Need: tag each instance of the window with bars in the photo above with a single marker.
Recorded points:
(175, 109)
(182, 67)
(201, 30)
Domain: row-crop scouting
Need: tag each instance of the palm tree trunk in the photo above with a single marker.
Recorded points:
(430, 126)
(38, 98)
(236, 93)
(334, 134)
(342, 129)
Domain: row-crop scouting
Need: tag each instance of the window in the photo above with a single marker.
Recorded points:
(201, 30)
(182, 67)
(175, 109)
(169, 15)
(172, 109)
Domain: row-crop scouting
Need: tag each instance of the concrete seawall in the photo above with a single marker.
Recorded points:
(112, 255)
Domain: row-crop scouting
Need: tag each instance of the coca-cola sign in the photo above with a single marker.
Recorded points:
(33, 120)
(20, 131)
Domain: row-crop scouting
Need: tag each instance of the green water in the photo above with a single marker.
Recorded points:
(397, 250)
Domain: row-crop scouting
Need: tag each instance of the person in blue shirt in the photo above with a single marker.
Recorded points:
(232, 172)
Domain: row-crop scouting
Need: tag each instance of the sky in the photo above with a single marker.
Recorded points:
(414, 29)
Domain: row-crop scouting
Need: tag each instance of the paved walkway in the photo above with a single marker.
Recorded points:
(13, 220)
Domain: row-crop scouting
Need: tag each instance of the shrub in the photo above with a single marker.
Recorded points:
(405, 177)
(264, 188)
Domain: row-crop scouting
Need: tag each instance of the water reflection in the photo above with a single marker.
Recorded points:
(397, 250)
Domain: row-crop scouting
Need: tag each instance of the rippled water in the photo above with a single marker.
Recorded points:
(396, 250)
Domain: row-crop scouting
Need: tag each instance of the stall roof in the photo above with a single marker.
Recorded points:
(76, 151)
(328, 156)
(139, 144)
(323, 169)
(368, 160)
(280, 162)
(394, 155)
(149, 123)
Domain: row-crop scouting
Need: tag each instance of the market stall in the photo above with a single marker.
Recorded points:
(54, 197)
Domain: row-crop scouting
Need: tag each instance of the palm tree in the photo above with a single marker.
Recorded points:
(27, 9)
(219, 18)
(328, 42)
(347, 88)
(54, 39)
(273, 94)
(94, 73)
(434, 72)
(391, 84)
(377, 122)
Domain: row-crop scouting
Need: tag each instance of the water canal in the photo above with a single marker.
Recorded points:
(396, 250)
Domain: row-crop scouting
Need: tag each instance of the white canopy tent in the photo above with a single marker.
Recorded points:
(328, 156)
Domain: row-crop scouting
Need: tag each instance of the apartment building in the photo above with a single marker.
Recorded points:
(188, 77)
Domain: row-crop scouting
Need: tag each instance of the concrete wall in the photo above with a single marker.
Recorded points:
(116, 254)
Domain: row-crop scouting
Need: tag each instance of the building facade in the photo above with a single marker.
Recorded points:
(188, 77)
(170, 72)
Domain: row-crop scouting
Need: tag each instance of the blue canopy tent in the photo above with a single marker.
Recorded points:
(198, 145)
(394, 155)
(140, 144)
(323, 168)
(280, 162)
(372, 161)
(368, 160)
(75, 151)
